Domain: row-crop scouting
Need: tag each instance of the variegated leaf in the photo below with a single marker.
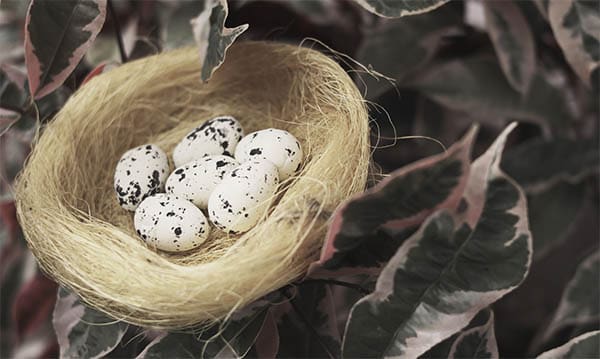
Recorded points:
(312, 305)
(555, 161)
(398, 8)
(476, 340)
(82, 331)
(584, 346)
(178, 32)
(476, 85)
(513, 42)
(57, 37)
(453, 267)
(12, 92)
(579, 302)
(358, 236)
(576, 26)
(233, 338)
(212, 37)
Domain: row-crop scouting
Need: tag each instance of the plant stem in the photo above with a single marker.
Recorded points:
(307, 324)
(353, 286)
(118, 35)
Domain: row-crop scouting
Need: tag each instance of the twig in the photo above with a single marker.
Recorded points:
(356, 287)
(115, 19)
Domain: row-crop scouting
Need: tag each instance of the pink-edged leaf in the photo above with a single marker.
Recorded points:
(399, 8)
(58, 33)
(33, 304)
(513, 42)
(100, 69)
(267, 342)
(584, 346)
(367, 230)
(455, 265)
(82, 331)
(212, 37)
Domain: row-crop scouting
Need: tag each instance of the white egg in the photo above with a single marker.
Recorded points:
(218, 136)
(140, 172)
(278, 146)
(170, 224)
(242, 198)
(196, 180)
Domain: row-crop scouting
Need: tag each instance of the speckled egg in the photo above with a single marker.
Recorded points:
(218, 136)
(170, 224)
(196, 180)
(241, 199)
(278, 146)
(140, 172)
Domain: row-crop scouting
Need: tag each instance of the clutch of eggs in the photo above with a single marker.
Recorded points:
(236, 192)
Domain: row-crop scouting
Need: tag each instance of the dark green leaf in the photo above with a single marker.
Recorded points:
(212, 37)
(476, 340)
(558, 160)
(357, 235)
(58, 35)
(513, 41)
(576, 26)
(83, 332)
(552, 213)
(453, 267)
(12, 92)
(477, 85)
(584, 346)
(398, 8)
(579, 302)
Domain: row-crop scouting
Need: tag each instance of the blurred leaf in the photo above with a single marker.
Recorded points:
(233, 338)
(401, 201)
(82, 331)
(384, 47)
(477, 85)
(513, 41)
(476, 340)
(398, 8)
(584, 346)
(212, 37)
(538, 164)
(552, 214)
(58, 35)
(312, 305)
(579, 302)
(267, 341)
(453, 267)
(576, 26)
(178, 29)
(12, 92)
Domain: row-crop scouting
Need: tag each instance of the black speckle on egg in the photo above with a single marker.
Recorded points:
(177, 231)
(255, 151)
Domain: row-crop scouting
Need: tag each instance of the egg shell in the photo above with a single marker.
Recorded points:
(241, 199)
(278, 146)
(141, 172)
(218, 136)
(196, 180)
(170, 224)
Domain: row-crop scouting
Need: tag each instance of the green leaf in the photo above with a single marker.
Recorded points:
(12, 92)
(579, 302)
(82, 331)
(212, 37)
(552, 214)
(384, 47)
(399, 8)
(477, 86)
(454, 266)
(558, 160)
(357, 236)
(584, 346)
(232, 338)
(576, 26)
(476, 340)
(57, 37)
(178, 30)
(513, 42)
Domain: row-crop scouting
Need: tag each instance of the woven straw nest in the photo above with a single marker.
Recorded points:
(85, 241)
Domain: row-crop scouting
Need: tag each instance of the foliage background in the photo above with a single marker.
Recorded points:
(447, 69)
